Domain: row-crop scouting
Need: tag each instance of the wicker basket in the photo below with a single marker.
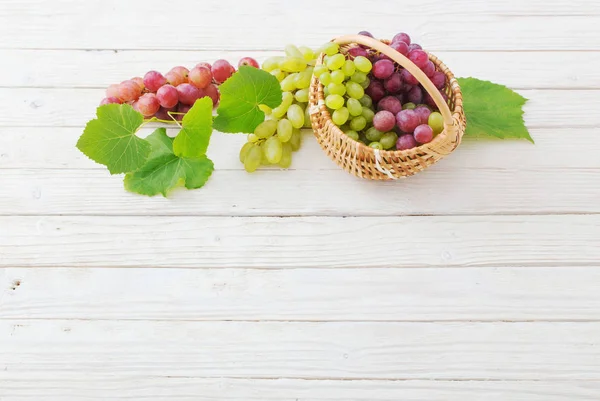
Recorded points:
(374, 164)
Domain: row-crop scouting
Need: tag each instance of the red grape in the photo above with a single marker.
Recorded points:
(148, 104)
(423, 133)
(415, 95)
(248, 61)
(154, 80)
(182, 108)
(423, 112)
(366, 33)
(394, 83)
(163, 113)
(402, 37)
(213, 91)
(414, 46)
(400, 47)
(175, 78)
(400, 97)
(408, 120)
(135, 106)
(419, 57)
(184, 72)
(188, 94)
(405, 142)
(357, 51)
(110, 100)
(439, 79)
(204, 64)
(409, 78)
(222, 70)
(391, 104)
(129, 90)
(139, 81)
(112, 90)
(167, 96)
(376, 91)
(430, 102)
(382, 69)
(200, 77)
(429, 69)
(384, 121)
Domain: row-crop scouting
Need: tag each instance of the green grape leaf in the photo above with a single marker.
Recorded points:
(240, 97)
(493, 109)
(165, 170)
(193, 139)
(110, 139)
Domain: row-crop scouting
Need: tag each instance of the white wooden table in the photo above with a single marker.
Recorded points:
(477, 280)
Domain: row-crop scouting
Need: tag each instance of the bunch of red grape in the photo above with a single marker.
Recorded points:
(170, 96)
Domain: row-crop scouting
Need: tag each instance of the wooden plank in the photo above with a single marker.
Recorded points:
(27, 107)
(98, 69)
(267, 242)
(436, 294)
(99, 24)
(464, 192)
(443, 351)
(75, 387)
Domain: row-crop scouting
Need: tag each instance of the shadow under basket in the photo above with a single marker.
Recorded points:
(366, 162)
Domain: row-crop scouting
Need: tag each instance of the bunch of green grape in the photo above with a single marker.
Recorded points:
(274, 140)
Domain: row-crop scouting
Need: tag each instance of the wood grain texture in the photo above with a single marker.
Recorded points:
(482, 351)
(76, 387)
(436, 294)
(267, 242)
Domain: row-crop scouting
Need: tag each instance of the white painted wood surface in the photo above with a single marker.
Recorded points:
(476, 280)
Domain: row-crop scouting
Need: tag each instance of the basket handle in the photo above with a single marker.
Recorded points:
(449, 127)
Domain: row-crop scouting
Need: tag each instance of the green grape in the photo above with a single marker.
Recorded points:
(325, 78)
(409, 106)
(287, 98)
(368, 114)
(388, 140)
(326, 91)
(348, 68)
(366, 101)
(365, 84)
(266, 129)
(354, 107)
(265, 109)
(436, 122)
(334, 102)
(253, 138)
(352, 134)
(296, 140)
(272, 150)
(330, 48)
(293, 51)
(244, 150)
(358, 123)
(301, 95)
(293, 64)
(307, 123)
(340, 116)
(284, 130)
(295, 114)
(336, 62)
(363, 64)
(337, 77)
(253, 158)
(272, 63)
(358, 77)
(286, 155)
(307, 53)
(325, 60)
(355, 90)
(320, 69)
(373, 135)
(303, 79)
(376, 145)
(280, 75)
(289, 83)
(337, 89)
(363, 138)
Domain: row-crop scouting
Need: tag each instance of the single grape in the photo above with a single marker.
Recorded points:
(307, 122)
(253, 138)
(222, 70)
(336, 62)
(415, 95)
(266, 129)
(358, 77)
(402, 37)
(414, 46)
(352, 134)
(253, 158)
(303, 79)
(248, 61)
(337, 89)
(244, 150)
(357, 51)
(320, 69)
(129, 91)
(376, 145)
(163, 113)
(407, 121)
(113, 91)
(307, 53)
(140, 82)
(286, 155)
(391, 104)
(405, 142)
(384, 121)
(205, 65)
(265, 109)
(363, 64)
(373, 134)
(358, 123)
(428, 100)
(286, 102)
(408, 78)
(334, 102)
(295, 114)
(368, 114)
(382, 69)
(110, 100)
(354, 90)
(388, 140)
(212, 91)
(393, 84)
(167, 96)
(429, 69)
(272, 150)
(348, 68)
(366, 33)
(436, 122)
(175, 78)
(439, 79)
(302, 95)
(419, 57)
(181, 70)
(376, 91)
(366, 101)
(200, 77)
(330, 48)
(400, 97)
(289, 83)
(325, 78)
(337, 77)
(182, 109)
(153, 80)
(354, 107)
(340, 116)
(424, 112)
(188, 94)
(284, 130)
(293, 51)
(423, 134)
(400, 47)
(272, 63)
(280, 75)
(409, 106)
(293, 64)
(296, 140)
(365, 84)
